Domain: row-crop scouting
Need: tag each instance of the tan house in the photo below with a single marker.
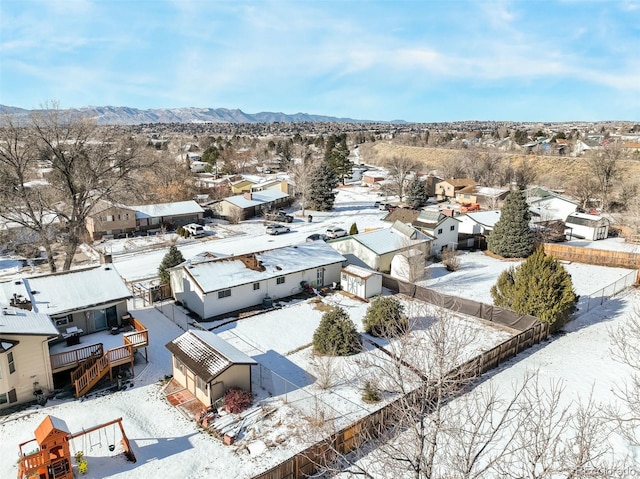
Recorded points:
(275, 185)
(110, 219)
(25, 366)
(241, 186)
(207, 366)
(447, 189)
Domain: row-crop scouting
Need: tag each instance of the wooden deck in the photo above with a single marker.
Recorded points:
(75, 357)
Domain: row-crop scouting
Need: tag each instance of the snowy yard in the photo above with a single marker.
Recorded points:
(167, 444)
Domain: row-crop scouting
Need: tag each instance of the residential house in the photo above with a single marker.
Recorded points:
(110, 219)
(215, 286)
(178, 213)
(252, 204)
(371, 177)
(446, 189)
(241, 185)
(485, 197)
(88, 300)
(546, 205)
(361, 282)
(474, 227)
(113, 219)
(25, 366)
(584, 226)
(442, 228)
(276, 184)
(376, 249)
(207, 366)
(430, 183)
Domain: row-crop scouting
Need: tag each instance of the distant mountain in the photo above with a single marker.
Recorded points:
(122, 115)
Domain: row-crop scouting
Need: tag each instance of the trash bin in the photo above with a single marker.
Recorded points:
(309, 218)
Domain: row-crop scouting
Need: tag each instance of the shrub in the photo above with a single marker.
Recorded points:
(237, 400)
(354, 229)
(450, 259)
(385, 317)
(540, 287)
(370, 393)
(336, 334)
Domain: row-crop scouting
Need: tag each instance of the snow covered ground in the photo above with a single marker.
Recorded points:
(167, 444)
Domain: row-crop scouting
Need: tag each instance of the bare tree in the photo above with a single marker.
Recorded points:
(301, 171)
(400, 167)
(485, 167)
(583, 187)
(605, 167)
(88, 164)
(20, 202)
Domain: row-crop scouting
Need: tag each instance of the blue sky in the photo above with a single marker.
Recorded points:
(419, 61)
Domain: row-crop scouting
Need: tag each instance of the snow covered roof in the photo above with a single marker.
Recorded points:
(22, 322)
(359, 271)
(485, 218)
(167, 209)
(257, 198)
(584, 219)
(490, 192)
(206, 354)
(224, 273)
(387, 240)
(60, 293)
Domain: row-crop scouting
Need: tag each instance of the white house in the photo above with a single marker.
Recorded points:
(546, 205)
(376, 249)
(475, 226)
(90, 300)
(178, 213)
(221, 285)
(590, 227)
(443, 228)
(207, 366)
(25, 366)
(253, 203)
(361, 282)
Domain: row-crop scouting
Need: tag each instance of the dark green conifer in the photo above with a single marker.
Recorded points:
(512, 237)
(336, 334)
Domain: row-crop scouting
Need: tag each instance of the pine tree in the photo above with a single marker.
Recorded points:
(172, 258)
(337, 155)
(385, 318)
(417, 194)
(323, 181)
(511, 237)
(336, 334)
(354, 229)
(540, 287)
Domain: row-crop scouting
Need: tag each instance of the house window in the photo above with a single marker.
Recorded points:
(12, 365)
(64, 320)
(225, 293)
(256, 286)
(180, 366)
(200, 384)
(3, 398)
(440, 231)
(452, 228)
(280, 280)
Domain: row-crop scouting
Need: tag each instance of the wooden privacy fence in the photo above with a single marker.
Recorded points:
(310, 460)
(599, 257)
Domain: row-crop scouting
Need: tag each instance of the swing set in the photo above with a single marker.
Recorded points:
(52, 458)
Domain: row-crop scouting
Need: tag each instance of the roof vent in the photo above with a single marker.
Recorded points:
(17, 282)
(107, 269)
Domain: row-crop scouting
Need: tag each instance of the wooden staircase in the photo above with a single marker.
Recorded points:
(103, 365)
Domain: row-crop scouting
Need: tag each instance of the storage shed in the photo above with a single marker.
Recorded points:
(361, 282)
(584, 226)
(207, 366)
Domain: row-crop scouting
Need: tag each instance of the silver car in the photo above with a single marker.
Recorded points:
(277, 229)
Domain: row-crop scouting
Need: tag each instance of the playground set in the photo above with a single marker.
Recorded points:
(51, 459)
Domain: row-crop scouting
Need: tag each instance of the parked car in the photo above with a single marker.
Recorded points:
(195, 229)
(336, 233)
(279, 216)
(317, 237)
(277, 229)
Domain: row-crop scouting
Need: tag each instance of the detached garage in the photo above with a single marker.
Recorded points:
(361, 282)
(207, 366)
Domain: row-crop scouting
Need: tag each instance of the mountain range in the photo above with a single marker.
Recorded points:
(122, 115)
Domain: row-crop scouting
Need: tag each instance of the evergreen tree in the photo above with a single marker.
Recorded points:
(416, 194)
(385, 318)
(172, 258)
(337, 154)
(540, 287)
(323, 181)
(336, 334)
(354, 229)
(511, 237)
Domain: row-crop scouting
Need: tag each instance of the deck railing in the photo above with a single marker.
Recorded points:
(74, 357)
